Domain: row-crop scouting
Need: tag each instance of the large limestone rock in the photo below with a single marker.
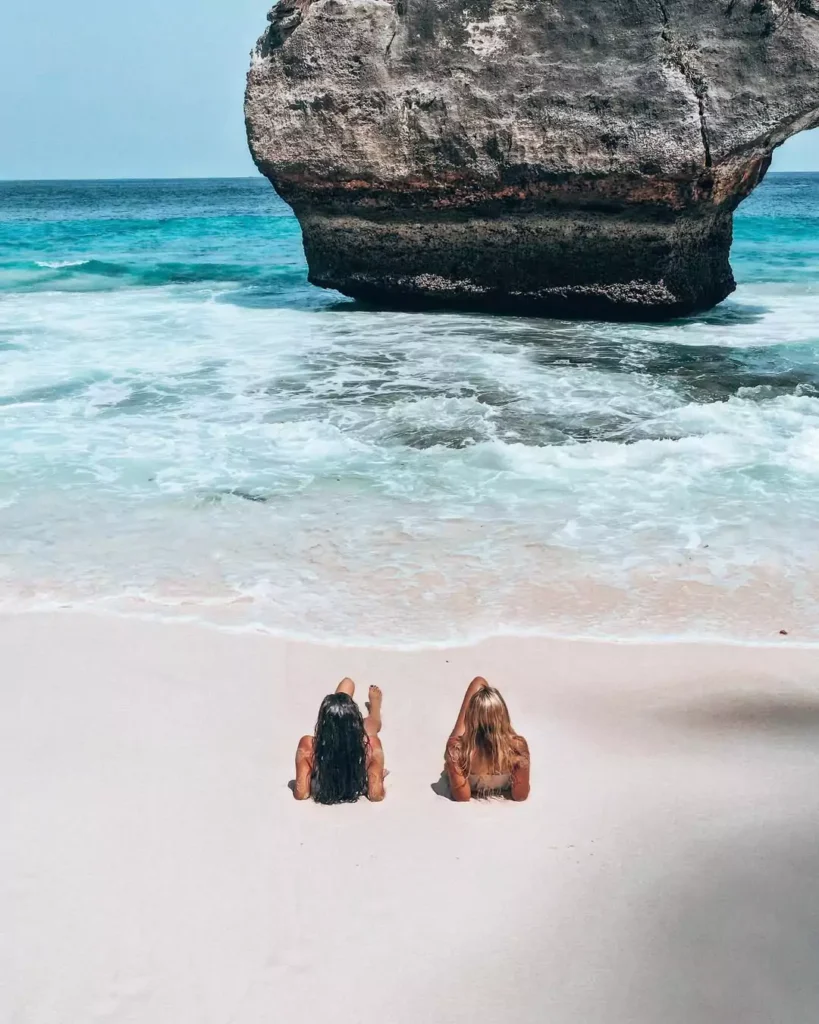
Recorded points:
(578, 157)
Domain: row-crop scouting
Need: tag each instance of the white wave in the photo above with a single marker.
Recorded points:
(424, 475)
(61, 264)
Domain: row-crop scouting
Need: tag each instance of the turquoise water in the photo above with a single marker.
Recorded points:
(188, 428)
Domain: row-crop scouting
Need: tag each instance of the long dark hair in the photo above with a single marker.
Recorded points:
(339, 752)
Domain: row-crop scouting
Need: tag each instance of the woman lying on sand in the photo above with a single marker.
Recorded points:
(484, 754)
(344, 759)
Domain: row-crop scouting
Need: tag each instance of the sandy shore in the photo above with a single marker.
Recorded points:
(155, 869)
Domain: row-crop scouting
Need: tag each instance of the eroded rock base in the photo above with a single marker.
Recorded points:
(570, 263)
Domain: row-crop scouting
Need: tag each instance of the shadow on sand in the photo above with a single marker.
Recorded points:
(441, 787)
(765, 713)
(735, 938)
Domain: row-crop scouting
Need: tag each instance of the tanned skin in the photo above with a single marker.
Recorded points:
(375, 752)
(458, 782)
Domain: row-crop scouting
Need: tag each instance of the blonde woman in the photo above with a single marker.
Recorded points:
(484, 754)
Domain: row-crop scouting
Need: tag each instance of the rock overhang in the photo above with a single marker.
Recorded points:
(559, 156)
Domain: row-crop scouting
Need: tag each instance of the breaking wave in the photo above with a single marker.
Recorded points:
(189, 429)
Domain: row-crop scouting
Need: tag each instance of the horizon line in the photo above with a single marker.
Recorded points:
(142, 177)
(218, 177)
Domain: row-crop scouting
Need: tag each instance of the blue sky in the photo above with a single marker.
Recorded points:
(153, 88)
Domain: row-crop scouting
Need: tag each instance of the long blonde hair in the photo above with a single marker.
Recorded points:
(489, 732)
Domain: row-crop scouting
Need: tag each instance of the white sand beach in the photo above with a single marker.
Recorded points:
(155, 868)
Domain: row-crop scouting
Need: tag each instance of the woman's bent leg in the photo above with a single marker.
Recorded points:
(372, 723)
(375, 771)
(346, 686)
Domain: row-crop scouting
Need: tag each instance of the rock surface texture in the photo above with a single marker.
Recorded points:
(578, 157)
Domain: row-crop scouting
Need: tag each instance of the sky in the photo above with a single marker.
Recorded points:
(123, 89)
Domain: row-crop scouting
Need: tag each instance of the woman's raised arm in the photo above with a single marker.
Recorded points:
(478, 683)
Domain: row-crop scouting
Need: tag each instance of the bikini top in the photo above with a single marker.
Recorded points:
(485, 784)
(481, 783)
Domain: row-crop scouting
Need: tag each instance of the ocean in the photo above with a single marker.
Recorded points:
(189, 430)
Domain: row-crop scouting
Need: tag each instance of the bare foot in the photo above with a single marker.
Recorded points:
(372, 725)
(374, 703)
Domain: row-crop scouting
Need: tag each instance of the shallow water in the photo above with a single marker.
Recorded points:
(188, 428)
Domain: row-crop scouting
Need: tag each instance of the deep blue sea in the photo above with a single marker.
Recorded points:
(187, 428)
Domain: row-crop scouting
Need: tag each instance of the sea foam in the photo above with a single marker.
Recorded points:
(205, 434)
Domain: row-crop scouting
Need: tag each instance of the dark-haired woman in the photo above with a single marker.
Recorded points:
(484, 754)
(344, 758)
